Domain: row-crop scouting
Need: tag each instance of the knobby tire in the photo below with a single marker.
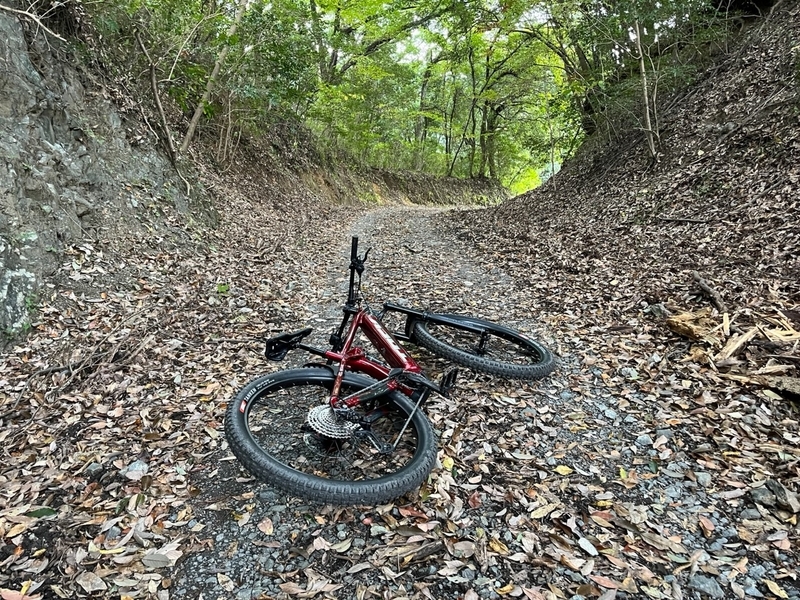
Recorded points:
(264, 428)
(507, 354)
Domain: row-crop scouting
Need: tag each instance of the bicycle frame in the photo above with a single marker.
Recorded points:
(354, 358)
(400, 373)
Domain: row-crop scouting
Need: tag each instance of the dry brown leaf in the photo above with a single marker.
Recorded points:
(775, 588)
(266, 527)
(706, 525)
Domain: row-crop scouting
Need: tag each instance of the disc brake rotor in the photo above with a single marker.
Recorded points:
(324, 421)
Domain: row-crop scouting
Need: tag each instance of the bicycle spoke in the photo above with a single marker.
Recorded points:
(484, 344)
(278, 424)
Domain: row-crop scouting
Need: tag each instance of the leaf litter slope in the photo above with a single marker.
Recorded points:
(115, 399)
(675, 286)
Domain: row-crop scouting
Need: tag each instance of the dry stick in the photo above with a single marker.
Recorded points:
(25, 387)
(154, 86)
(33, 18)
(90, 361)
(709, 291)
(173, 154)
(683, 220)
(212, 78)
(784, 356)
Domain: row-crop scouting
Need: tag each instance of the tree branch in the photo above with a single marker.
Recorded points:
(154, 85)
(213, 77)
(33, 18)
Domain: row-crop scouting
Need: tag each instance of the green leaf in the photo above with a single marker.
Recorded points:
(44, 511)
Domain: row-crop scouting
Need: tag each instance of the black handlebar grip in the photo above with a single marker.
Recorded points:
(354, 248)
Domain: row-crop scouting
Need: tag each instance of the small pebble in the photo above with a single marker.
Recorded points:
(706, 585)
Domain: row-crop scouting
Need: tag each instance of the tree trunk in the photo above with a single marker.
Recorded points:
(421, 126)
(648, 128)
(198, 112)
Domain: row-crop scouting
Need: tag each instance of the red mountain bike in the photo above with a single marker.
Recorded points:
(351, 430)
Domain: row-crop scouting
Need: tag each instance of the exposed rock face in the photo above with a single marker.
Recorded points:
(66, 168)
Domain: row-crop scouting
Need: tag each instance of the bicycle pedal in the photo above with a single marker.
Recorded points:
(448, 381)
(278, 347)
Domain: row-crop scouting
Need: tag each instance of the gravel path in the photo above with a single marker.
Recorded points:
(566, 488)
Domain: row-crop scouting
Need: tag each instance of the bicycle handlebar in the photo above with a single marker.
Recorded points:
(356, 266)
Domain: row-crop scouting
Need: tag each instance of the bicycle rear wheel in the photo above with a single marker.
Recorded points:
(497, 350)
(268, 427)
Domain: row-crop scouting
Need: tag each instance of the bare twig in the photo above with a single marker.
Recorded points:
(714, 295)
(784, 357)
(212, 78)
(33, 18)
(154, 86)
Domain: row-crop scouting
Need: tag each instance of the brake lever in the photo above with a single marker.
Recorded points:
(358, 262)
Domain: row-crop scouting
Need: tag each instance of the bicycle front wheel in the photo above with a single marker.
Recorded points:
(497, 350)
(281, 429)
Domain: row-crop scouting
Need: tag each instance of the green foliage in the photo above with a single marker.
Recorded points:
(471, 89)
(525, 181)
(597, 46)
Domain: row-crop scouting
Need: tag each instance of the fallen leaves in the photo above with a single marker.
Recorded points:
(166, 556)
(315, 584)
(266, 527)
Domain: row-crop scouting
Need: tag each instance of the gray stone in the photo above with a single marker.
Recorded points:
(757, 572)
(673, 471)
(644, 440)
(377, 530)
(94, 468)
(706, 585)
(762, 496)
(703, 478)
(751, 590)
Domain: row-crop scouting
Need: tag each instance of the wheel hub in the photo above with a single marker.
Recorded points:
(324, 421)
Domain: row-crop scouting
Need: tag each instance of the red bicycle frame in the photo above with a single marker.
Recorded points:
(355, 359)
(400, 372)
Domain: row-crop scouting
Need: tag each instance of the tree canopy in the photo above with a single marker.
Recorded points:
(503, 89)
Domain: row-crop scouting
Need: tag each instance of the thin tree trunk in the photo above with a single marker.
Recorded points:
(154, 85)
(198, 112)
(421, 126)
(648, 128)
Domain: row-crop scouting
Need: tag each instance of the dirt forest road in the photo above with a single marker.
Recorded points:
(359, 552)
(566, 488)
(599, 481)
